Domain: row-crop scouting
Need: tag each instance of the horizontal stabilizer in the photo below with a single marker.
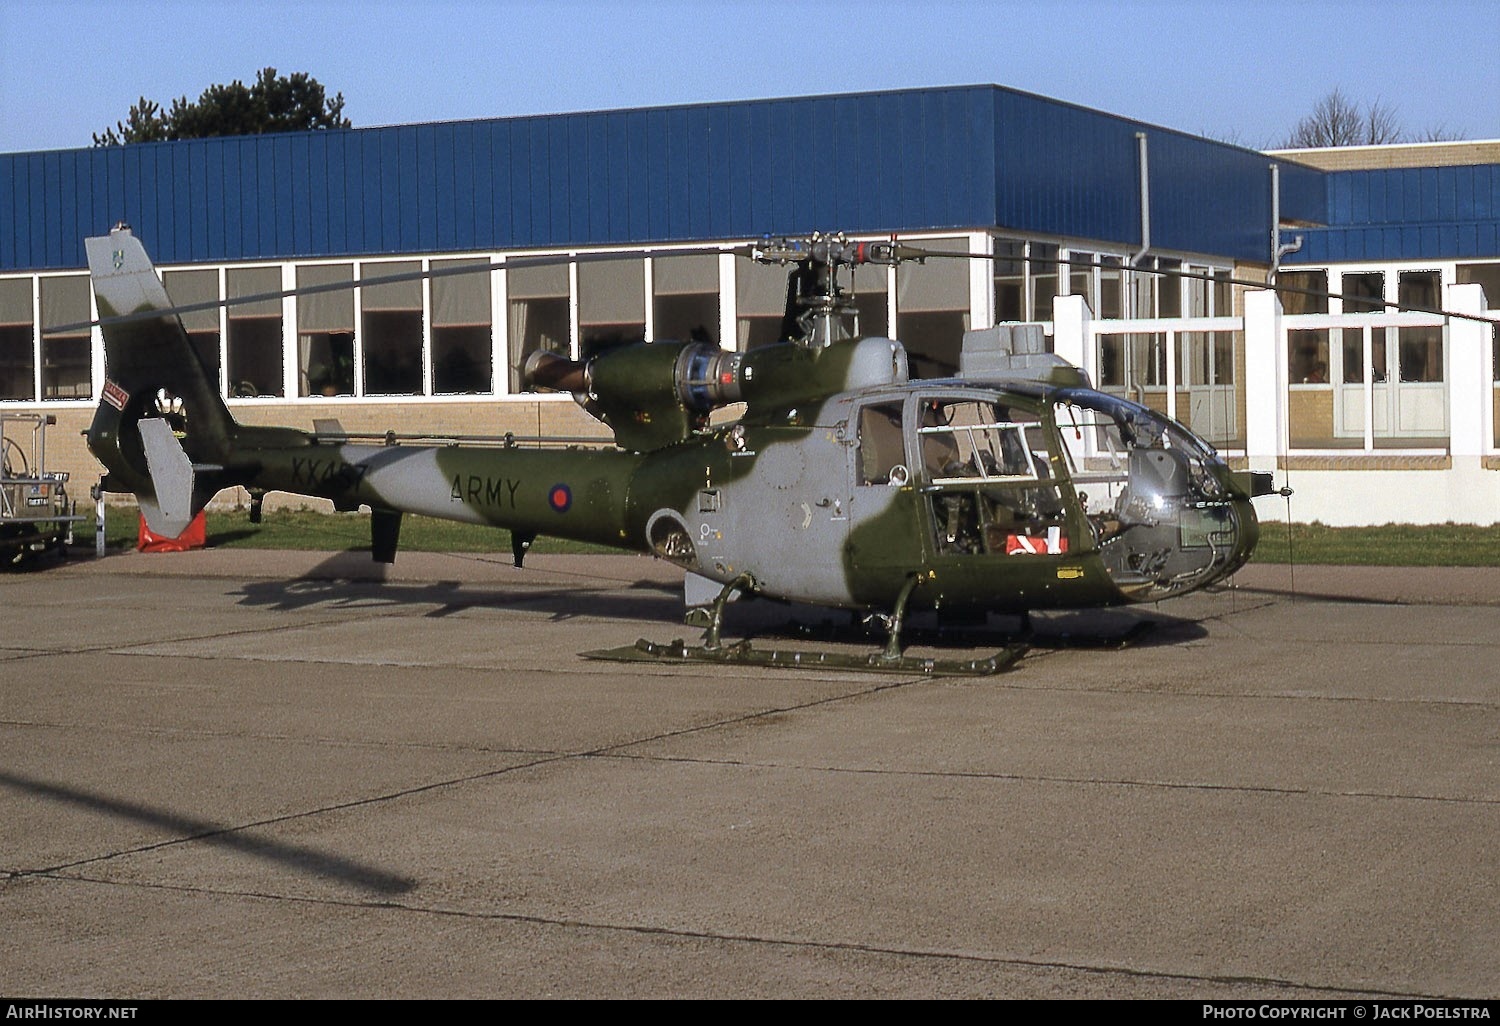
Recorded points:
(171, 510)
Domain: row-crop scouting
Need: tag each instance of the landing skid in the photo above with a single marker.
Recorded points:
(892, 659)
(741, 653)
(1026, 637)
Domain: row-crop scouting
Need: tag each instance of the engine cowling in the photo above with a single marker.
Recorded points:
(651, 394)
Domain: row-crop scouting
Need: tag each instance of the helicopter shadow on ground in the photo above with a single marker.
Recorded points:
(349, 580)
(1083, 629)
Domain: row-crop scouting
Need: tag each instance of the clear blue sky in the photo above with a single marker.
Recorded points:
(1245, 70)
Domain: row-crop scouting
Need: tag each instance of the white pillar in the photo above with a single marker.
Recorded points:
(728, 304)
(499, 329)
(291, 338)
(1469, 373)
(1265, 389)
(981, 282)
(1071, 337)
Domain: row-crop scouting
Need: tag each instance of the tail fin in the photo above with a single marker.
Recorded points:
(161, 429)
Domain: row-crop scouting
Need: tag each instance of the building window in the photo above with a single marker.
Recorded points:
(16, 355)
(186, 288)
(1169, 288)
(1010, 280)
(685, 298)
(255, 333)
(325, 331)
(760, 302)
(611, 304)
(462, 353)
(1420, 350)
(66, 358)
(1081, 278)
(932, 309)
(1111, 291)
(539, 317)
(1042, 261)
(1305, 292)
(254, 339)
(390, 337)
(870, 287)
(1364, 292)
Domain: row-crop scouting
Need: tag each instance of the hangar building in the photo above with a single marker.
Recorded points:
(1374, 415)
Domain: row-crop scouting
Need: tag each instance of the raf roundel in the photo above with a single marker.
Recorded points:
(560, 498)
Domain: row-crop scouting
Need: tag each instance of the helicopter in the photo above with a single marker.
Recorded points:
(1013, 487)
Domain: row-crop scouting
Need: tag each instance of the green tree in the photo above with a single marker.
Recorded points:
(274, 103)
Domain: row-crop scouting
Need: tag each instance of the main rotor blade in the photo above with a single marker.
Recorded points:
(1493, 318)
(900, 253)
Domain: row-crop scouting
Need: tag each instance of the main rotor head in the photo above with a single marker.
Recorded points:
(819, 312)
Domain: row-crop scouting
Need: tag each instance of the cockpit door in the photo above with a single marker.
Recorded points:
(885, 541)
(986, 474)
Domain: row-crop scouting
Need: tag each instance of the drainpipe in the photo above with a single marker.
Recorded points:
(1278, 250)
(1145, 180)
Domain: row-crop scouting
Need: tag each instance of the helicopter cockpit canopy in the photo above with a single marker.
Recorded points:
(1059, 471)
(1156, 496)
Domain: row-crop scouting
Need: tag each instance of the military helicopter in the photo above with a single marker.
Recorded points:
(1012, 487)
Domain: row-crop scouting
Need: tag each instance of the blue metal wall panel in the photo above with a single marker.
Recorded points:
(465, 170)
(382, 222)
(1395, 242)
(236, 217)
(186, 185)
(1413, 195)
(637, 196)
(655, 188)
(327, 212)
(902, 160)
(276, 184)
(211, 239)
(444, 198)
(408, 192)
(480, 227)
(698, 173)
(588, 149)
(582, 182)
(140, 165)
(49, 189)
(530, 171)
(73, 211)
(11, 209)
(294, 232)
(611, 211)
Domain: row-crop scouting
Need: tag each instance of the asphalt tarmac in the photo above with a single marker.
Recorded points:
(251, 774)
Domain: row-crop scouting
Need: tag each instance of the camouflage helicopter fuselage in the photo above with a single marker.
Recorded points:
(843, 483)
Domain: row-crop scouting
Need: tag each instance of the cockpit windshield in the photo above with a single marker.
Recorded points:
(1153, 493)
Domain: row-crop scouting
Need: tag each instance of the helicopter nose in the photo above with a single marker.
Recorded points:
(1246, 536)
(1172, 548)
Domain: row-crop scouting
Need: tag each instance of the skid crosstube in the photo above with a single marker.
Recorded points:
(741, 653)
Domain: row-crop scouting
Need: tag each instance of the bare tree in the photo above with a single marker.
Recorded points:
(1440, 133)
(1381, 124)
(1339, 121)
